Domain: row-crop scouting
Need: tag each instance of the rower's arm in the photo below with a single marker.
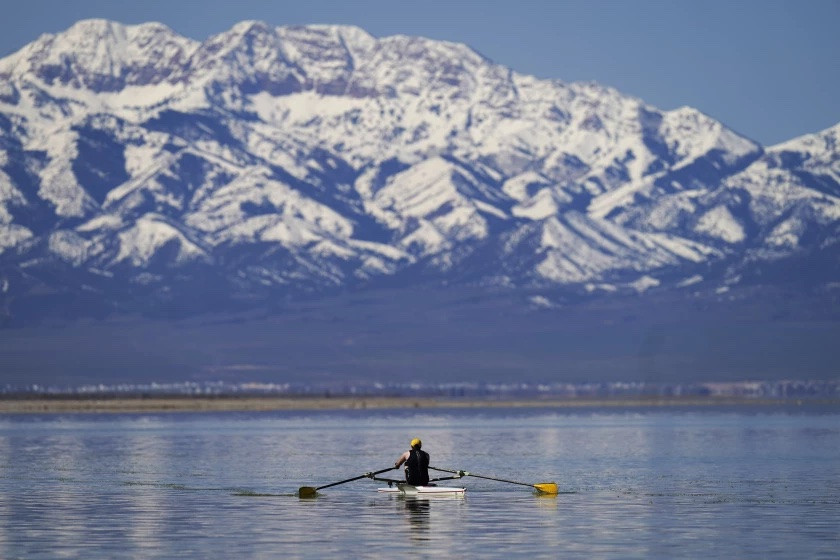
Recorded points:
(403, 458)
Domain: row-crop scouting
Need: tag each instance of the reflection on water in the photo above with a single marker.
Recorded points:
(418, 511)
(638, 484)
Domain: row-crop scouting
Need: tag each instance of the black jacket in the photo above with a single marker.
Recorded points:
(417, 468)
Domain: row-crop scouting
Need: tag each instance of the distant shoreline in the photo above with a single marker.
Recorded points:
(180, 403)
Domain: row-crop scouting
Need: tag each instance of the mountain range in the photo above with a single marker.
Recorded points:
(142, 172)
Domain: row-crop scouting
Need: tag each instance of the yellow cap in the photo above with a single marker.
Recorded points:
(416, 442)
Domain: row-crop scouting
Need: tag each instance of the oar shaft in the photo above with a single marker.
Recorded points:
(542, 487)
(465, 473)
(366, 475)
(340, 482)
(499, 479)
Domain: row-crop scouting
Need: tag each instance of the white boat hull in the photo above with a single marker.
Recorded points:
(409, 490)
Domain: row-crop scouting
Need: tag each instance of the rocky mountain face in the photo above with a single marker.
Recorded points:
(141, 170)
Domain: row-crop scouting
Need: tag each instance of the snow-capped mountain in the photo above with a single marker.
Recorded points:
(268, 161)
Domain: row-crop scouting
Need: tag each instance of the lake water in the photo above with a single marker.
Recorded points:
(749, 482)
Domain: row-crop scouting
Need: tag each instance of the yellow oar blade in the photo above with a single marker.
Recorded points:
(546, 487)
(306, 492)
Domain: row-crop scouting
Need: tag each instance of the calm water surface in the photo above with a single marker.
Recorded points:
(745, 483)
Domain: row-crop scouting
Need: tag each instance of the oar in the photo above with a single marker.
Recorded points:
(308, 491)
(544, 487)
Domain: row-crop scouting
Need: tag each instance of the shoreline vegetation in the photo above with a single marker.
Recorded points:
(224, 403)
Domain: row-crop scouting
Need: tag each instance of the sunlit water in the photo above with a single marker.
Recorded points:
(710, 483)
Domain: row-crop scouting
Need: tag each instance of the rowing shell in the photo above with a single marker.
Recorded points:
(409, 490)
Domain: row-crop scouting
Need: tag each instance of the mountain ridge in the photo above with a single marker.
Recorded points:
(271, 161)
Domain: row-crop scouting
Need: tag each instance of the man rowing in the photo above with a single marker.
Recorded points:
(416, 464)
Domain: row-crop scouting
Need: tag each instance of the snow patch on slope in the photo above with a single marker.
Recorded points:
(719, 222)
(149, 234)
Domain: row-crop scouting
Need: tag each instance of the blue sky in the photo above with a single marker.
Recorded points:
(769, 69)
